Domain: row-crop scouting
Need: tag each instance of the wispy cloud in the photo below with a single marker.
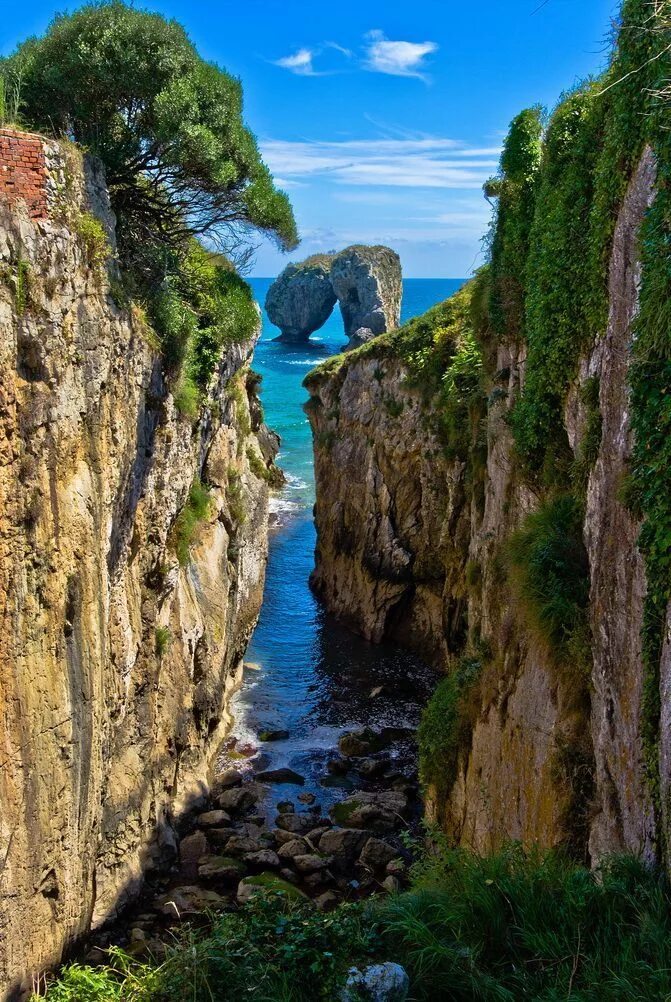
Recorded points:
(299, 63)
(397, 58)
(424, 162)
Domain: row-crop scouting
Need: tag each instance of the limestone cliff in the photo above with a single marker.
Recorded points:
(413, 537)
(116, 656)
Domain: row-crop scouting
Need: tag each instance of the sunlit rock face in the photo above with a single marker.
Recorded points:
(301, 299)
(365, 281)
(412, 549)
(369, 287)
(116, 661)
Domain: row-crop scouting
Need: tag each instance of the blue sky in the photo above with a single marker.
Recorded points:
(383, 119)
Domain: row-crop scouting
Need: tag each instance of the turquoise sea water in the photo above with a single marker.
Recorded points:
(314, 678)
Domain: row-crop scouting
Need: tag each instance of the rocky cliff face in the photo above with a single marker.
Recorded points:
(116, 659)
(411, 546)
(365, 281)
(368, 284)
(301, 299)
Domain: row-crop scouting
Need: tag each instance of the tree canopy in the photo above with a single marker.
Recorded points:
(129, 86)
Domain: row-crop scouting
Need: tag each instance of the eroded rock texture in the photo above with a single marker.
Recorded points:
(410, 549)
(368, 284)
(115, 660)
(301, 299)
(365, 281)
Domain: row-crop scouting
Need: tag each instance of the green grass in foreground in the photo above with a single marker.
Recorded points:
(509, 927)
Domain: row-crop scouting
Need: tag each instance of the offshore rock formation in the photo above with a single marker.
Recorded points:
(116, 660)
(410, 546)
(301, 299)
(369, 287)
(365, 281)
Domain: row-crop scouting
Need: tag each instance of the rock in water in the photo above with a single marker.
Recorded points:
(368, 284)
(301, 299)
(379, 983)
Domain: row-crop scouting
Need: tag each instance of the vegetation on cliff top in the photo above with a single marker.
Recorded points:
(509, 927)
(128, 86)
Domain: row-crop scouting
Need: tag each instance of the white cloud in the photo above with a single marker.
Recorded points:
(424, 162)
(397, 58)
(300, 63)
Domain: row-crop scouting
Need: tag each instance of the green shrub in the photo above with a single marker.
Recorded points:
(516, 926)
(162, 640)
(394, 408)
(272, 950)
(445, 726)
(502, 928)
(193, 514)
(515, 189)
(549, 574)
(236, 498)
(92, 234)
(588, 447)
(237, 392)
(557, 324)
(271, 474)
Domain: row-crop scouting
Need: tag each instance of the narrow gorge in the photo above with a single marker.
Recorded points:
(336, 606)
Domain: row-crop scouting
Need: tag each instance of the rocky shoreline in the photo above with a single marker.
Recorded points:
(234, 845)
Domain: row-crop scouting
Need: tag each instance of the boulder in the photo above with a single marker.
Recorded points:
(188, 900)
(267, 883)
(371, 767)
(378, 983)
(301, 299)
(273, 735)
(354, 744)
(191, 849)
(391, 884)
(239, 845)
(376, 854)
(289, 850)
(220, 868)
(379, 811)
(219, 836)
(281, 837)
(310, 863)
(327, 901)
(343, 844)
(298, 824)
(264, 858)
(226, 780)
(237, 799)
(212, 819)
(368, 284)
